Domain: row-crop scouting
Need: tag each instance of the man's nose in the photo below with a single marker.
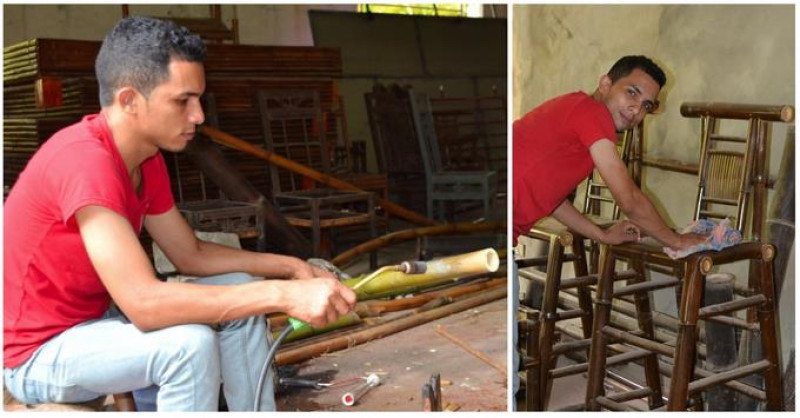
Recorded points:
(197, 116)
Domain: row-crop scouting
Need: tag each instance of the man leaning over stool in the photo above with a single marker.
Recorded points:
(559, 143)
(71, 247)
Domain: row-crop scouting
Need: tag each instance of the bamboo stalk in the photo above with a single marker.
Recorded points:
(302, 353)
(272, 158)
(409, 234)
(439, 271)
(375, 308)
(343, 321)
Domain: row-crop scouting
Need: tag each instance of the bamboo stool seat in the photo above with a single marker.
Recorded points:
(726, 178)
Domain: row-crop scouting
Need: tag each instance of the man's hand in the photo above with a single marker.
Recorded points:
(318, 301)
(689, 239)
(623, 231)
(305, 270)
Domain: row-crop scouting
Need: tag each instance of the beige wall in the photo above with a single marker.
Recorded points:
(734, 53)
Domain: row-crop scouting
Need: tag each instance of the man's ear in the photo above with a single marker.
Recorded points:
(127, 97)
(605, 84)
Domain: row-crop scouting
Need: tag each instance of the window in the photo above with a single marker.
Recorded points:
(430, 9)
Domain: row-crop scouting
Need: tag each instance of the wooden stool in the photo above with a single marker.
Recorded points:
(694, 268)
(727, 177)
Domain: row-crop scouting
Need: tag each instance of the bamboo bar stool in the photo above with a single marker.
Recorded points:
(560, 239)
(726, 178)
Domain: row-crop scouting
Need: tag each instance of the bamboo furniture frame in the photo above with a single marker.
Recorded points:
(726, 178)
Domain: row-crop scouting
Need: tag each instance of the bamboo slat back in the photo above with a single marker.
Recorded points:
(293, 128)
(733, 170)
(596, 193)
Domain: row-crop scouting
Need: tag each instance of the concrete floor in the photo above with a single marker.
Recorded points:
(406, 360)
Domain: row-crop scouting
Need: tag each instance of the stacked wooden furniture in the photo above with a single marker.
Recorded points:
(566, 246)
(472, 133)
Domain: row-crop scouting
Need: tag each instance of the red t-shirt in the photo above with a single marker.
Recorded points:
(551, 154)
(49, 284)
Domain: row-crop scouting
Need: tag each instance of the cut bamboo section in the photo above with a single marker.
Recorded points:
(440, 271)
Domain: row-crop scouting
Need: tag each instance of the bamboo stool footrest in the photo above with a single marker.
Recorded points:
(640, 342)
(579, 281)
(570, 314)
(631, 395)
(614, 406)
(646, 286)
(583, 367)
(719, 378)
(735, 322)
(735, 305)
(566, 347)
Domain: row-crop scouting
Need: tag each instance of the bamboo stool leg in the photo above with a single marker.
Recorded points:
(602, 309)
(584, 293)
(769, 334)
(548, 316)
(644, 317)
(682, 368)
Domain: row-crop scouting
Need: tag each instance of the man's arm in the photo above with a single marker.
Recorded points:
(632, 201)
(196, 257)
(125, 270)
(616, 234)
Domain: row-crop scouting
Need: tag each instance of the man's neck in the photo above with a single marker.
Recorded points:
(131, 148)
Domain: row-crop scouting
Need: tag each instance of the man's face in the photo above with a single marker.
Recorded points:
(630, 98)
(173, 111)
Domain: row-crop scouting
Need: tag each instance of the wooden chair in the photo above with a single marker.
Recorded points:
(292, 126)
(403, 131)
(734, 178)
(559, 239)
(446, 185)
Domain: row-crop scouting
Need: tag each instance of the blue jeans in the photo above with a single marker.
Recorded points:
(183, 364)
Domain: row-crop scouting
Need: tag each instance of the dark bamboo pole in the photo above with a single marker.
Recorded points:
(721, 342)
(775, 113)
(302, 353)
(283, 237)
(409, 234)
(272, 158)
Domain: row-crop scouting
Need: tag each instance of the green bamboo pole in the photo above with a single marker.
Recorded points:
(345, 320)
(440, 271)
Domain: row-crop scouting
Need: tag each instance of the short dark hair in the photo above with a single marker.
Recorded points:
(137, 52)
(627, 64)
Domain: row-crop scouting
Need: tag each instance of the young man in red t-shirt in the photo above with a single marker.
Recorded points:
(71, 247)
(558, 144)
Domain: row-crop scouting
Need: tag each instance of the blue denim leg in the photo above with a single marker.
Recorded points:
(243, 344)
(111, 356)
(181, 366)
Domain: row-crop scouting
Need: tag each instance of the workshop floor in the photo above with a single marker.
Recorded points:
(406, 360)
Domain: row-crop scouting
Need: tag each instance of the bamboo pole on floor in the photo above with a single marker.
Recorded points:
(302, 353)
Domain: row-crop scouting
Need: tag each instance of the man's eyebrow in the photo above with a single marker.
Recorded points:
(190, 94)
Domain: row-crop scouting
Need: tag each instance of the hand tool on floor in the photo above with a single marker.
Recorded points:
(350, 398)
(298, 382)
